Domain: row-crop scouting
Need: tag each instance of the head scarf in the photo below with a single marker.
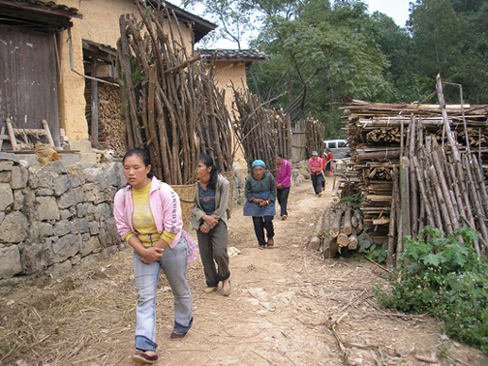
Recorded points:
(258, 163)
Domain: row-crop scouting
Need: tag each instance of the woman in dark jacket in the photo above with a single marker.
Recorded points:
(260, 192)
(209, 217)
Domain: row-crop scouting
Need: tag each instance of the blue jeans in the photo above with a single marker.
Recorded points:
(174, 265)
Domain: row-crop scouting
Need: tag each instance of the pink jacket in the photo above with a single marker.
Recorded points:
(283, 175)
(315, 166)
(165, 208)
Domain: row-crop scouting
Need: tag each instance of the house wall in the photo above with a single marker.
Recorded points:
(227, 73)
(100, 24)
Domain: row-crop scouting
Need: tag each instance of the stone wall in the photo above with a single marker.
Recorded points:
(54, 217)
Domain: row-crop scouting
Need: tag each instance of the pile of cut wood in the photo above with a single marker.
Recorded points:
(315, 133)
(262, 131)
(412, 168)
(172, 106)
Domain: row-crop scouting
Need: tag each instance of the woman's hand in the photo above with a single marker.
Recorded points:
(204, 229)
(263, 203)
(211, 221)
(280, 186)
(151, 255)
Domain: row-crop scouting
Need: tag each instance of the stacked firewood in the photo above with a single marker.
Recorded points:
(346, 225)
(171, 104)
(111, 125)
(315, 133)
(261, 131)
(427, 176)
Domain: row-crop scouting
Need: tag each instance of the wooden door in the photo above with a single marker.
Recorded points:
(28, 82)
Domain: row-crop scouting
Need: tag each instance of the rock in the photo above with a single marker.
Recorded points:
(6, 196)
(10, 264)
(58, 269)
(303, 168)
(5, 177)
(6, 165)
(66, 247)
(55, 167)
(43, 229)
(47, 209)
(71, 198)
(61, 185)
(63, 227)
(92, 245)
(8, 157)
(14, 228)
(18, 200)
(20, 176)
(296, 177)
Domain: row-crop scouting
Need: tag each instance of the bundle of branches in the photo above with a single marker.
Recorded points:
(315, 133)
(426, 178)
(172, 105)
(262, 132)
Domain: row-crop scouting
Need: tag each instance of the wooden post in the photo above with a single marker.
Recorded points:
(94, 101)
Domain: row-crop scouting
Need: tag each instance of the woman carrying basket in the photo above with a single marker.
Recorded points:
(148, 216)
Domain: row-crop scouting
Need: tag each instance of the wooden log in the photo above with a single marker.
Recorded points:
(314, 243)
(335, 228)
(330, 248)
(413, 182)
(442, 201)
(346, 222)
(390, 259)
(342, 239)
(353, 241)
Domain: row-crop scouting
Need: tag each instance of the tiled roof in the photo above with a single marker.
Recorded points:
(45, 4)
(235, 55)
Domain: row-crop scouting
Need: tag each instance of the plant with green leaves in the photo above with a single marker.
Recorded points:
(445, 276)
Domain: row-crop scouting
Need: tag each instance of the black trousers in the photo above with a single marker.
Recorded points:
(283, 199)
(260, 223)
(317, 182)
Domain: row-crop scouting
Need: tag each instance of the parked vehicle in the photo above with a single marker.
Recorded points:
(338, 148)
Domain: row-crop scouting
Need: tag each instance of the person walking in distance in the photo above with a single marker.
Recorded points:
(260, 193)
(148, 216)
(209, 217)
(315, 165)
(283, 184)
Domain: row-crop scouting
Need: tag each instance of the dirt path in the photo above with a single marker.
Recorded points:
(284, 304)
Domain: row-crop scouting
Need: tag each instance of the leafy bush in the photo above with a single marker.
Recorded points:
(446, 277)
(354, 200)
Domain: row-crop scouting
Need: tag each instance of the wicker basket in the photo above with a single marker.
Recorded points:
(230, 178)
(187, 197)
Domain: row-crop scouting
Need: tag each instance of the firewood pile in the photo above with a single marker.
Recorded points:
(172, 106)
(315, 133)
(262, 132)
(111, 125)
(412, 167)
(337, 230)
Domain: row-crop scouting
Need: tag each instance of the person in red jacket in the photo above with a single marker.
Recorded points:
(328, 163)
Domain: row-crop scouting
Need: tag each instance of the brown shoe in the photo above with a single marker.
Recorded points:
(284, 217)
(209, 290)
(270, 242)
(226, 289)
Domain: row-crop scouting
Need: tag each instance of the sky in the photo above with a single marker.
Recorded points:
(396, 9)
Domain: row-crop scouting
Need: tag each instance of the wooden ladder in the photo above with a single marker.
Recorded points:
(24, 132)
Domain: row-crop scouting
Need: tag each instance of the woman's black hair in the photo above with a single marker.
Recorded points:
(145, 157)
(280, 155)
(208, 161)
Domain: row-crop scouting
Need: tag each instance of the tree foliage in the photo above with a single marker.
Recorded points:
(322, 52)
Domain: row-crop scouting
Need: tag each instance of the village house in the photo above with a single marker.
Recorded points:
(59, 62)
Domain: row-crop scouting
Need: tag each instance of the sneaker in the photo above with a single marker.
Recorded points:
(143, 357)
(320, 194)
(270, 242)
(175, 336)
(284, 217)
(209, 290)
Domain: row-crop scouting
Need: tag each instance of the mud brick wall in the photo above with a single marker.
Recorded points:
(53, 217)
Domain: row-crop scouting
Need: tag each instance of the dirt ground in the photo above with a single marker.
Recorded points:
(288, 307)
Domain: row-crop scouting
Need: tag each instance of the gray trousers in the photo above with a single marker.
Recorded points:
(213, 252)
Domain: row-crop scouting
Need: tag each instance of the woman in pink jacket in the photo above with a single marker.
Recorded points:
(283, 183)
(148, 216)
